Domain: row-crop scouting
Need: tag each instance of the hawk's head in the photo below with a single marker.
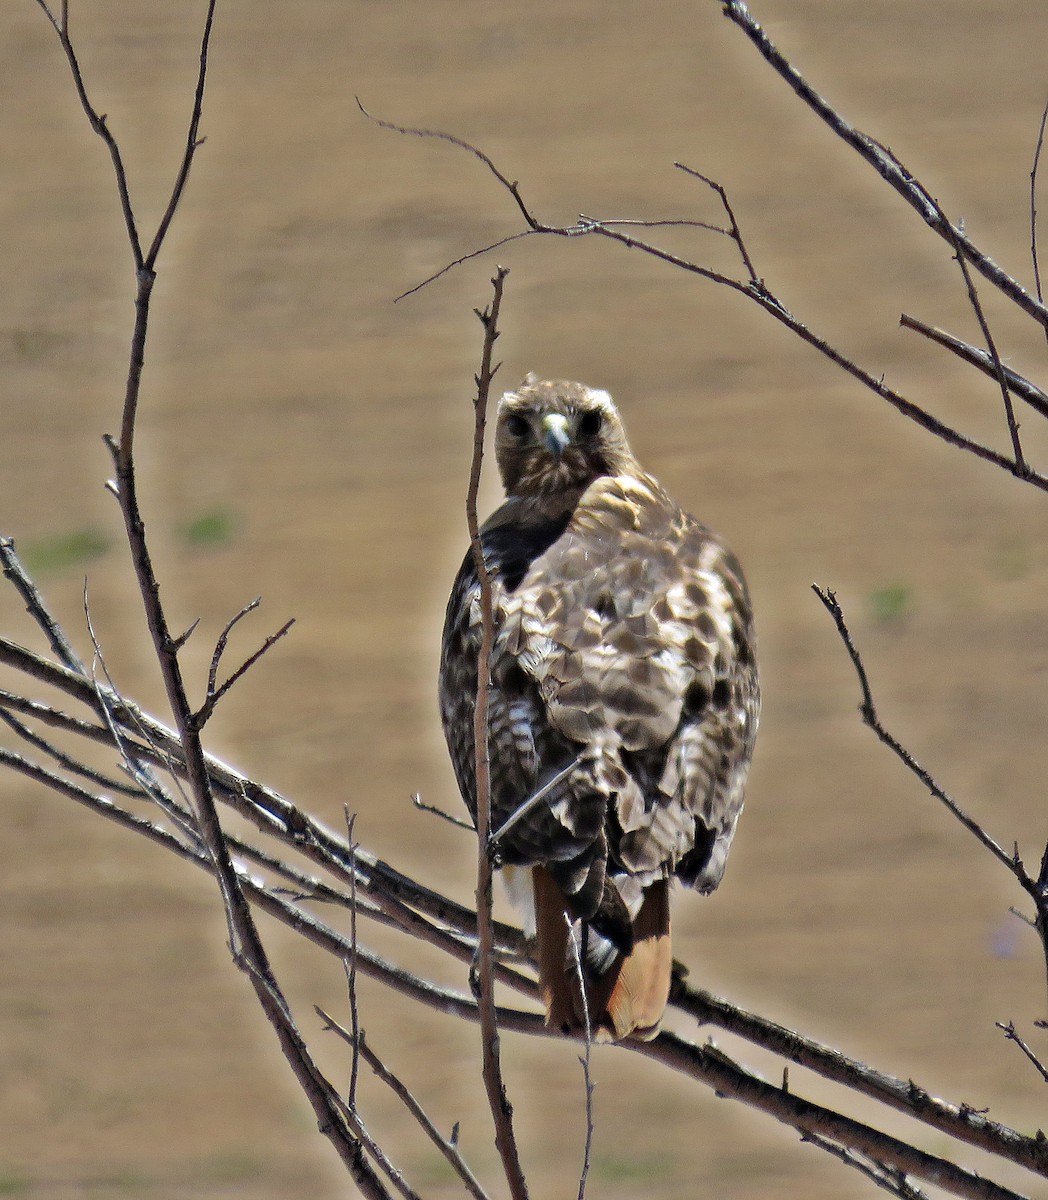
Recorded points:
(553, 436)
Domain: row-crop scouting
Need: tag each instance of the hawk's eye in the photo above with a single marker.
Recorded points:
(518, 426)
(590, 422)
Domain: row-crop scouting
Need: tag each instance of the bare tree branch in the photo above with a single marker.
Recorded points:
(995, 358)
(1012, 1034)
(246, 945)
(215, 692)
(753, 288)
(886, 164)
(15, 572)
(498, 1101)
(1012, 862)
(447, 1147)
(1033, 205)
(886, 1178)
(1023, 388)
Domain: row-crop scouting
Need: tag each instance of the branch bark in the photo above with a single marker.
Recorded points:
(494, 1085)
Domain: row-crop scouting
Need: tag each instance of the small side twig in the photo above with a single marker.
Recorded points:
(451, 819)
(1033, 205)
(350, 963)
(1012, 1034)
(531, 803)
(998, 368)
(870, 718)
(886, 1178)
(1017, 384)
(216, 691)
(733, 231)
(584, 1057)
(448, 1147)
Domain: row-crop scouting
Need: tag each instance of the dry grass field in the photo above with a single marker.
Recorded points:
(305, 439)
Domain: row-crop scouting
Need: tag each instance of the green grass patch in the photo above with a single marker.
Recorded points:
(12, 1183)
(634, 1169)
(62, 551)
(233, 1166)
(214, 527)
(891, 604)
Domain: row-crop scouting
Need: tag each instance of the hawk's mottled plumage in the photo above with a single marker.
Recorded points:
(624, 682)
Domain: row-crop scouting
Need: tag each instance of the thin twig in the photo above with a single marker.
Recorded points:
(436, 134)
(885, 163)
(498, 1101)
(223, 641)
(98, 123)
(448, 1148)
(884, 1177)
(870, 718)
(753, 288)
(35, 606)
(214, 694)
(1012, 862)
(193, 143)
(733, 231)
(531, 803)
(351, 967)
(998, 368)
(65, 760)
(1033, 204)
(138, 770)
(451, 819)
(1017, 384)
(1012, 1034)
(584, 1057)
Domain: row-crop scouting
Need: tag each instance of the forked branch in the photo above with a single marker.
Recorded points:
(752, 286)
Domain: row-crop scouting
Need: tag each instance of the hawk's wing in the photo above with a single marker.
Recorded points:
(624, 664)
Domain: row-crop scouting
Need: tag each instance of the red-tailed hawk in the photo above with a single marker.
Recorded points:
(623, 688)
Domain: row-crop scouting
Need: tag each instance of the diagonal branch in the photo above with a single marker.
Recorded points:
(753, 288)
(447, 1147)
(981, 359)
(1012, 862)
(99, 124)
(1012, 1034)
(995, 358)
(193, 143)
(885, 163)
(37, 609)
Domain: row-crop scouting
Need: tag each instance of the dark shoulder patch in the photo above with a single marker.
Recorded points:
(509, 550)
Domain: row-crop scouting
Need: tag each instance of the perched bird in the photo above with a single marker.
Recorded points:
(623, 702)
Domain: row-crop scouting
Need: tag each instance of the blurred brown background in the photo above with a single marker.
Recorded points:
(305, 439)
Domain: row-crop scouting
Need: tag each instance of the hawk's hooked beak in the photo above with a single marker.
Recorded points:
(555, 433)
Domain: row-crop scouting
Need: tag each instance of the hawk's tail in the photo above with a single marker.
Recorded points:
(626, 993)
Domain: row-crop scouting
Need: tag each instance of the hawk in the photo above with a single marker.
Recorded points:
(623, 702)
